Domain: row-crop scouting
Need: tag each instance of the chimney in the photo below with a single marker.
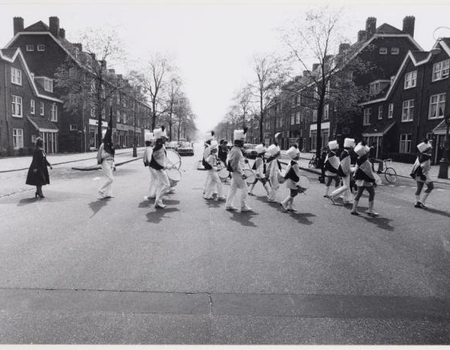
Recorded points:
(62, 33)
(343, 47)
(362, 35)
(408, 25)
(18, 24)
(54, 25)
(371, 25)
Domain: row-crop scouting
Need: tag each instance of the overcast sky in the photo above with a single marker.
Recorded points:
(213, 42)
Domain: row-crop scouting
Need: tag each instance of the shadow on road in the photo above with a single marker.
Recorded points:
(156, 216)
(302, 218)
(146, 203)
(438, 212)
(380, 222)
(97, 205)
(26, 201)
(244, 218)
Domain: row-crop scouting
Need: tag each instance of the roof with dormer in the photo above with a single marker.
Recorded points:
(8, 52)
(388, 29)
(37, 27)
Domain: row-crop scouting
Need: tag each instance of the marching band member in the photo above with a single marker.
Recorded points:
(236, 165)
(260, 170)
(344, 172)
(214, 182)
(105, 157)
(159, 164)
(331, 166)
(147, 158)
(292, 178)
(364, 178)
(206, 152)
(273, 168)
(421, 173)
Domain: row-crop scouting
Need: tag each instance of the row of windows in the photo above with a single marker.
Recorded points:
(440, 71)
(39, 47)
(16, 78)
(17, 108)
(384, 51)
(436, 110)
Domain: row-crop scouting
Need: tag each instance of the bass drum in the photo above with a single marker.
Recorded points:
(303, 183)
(222, 171)
(174, 158)
(250, 177)
(174, 176)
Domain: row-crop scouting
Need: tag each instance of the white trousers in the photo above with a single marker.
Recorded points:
(237, 182)
(213, 182)
(162, 185)
(344, 188)
(107, 167)
(153, 182)
(275, 185)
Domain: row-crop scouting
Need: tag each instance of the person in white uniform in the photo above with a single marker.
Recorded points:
(331, 166)
(421, 173)
(214, 184)
(105, 157)
(260, 170)
(273, 168)
(344, 171)
(235, 165)
(292, 179)
(147, 158)
(159, 163)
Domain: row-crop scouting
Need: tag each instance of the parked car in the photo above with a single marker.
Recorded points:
(171, 145)
(185, 149)
(249, 150)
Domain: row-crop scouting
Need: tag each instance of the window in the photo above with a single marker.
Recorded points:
(326, 112)
(16, 106)
(124, 116)
(32, 106)
(297, 117)
(441, 70)
(408, 111)
(410, 79)
(54, 113)
(16, 76)
(437, 106)
(17, 138)
(292, 118)
(41, 107)
(405, 143)
(30, 48)
(314, 116)
(390, 110)
(48, 84)
(124, 101)
(367, 113)
(93, 112)
(383, 50)
(73, 127)
(395, 50)
(118, 116)
(41, 47)
(380, 112)
(374, 88)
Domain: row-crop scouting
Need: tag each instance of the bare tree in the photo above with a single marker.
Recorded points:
(84, 80)
(244, 104)
(173, 93)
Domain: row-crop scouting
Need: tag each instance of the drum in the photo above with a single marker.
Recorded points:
(174, 176)
(281, 174)
(222, 171)
(303, 183)
(250, 177)
(378, 180)
(174, 158)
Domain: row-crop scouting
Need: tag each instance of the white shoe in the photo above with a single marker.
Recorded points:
(230, 208)
(246, 208)
(285, 208)
(160, 206)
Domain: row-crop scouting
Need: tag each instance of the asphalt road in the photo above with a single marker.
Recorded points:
(75, 269)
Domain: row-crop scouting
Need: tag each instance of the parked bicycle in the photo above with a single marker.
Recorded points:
(389, 172)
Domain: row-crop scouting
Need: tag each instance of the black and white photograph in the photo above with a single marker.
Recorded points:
(234, 173)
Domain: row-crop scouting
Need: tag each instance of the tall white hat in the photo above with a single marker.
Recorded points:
(361, 150)
(273, 150)
(149, 136)
(260, 148)
(160, 133)
(422, 147)
(214, 145)
(209, 135)
(349, 143)
(239, 135)
(333, 145)
(293, 152)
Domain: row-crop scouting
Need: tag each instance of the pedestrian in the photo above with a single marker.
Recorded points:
(331, 166)
(159, 163)
(364, 178)
(344, 172)
(206, 152)
(105, 157)
(223, 151)
(421, 173)
(147, 158)
(236, 164)
(373, 158)
(38, 173)
(260, 170)
(273, 170)
(215, 186)
(292, 178)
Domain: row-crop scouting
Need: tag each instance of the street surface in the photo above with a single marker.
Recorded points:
(77, 269)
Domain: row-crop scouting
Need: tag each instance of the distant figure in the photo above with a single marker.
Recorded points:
(273, 169)
(421, 173)
(105, 157)
(331, 166)
(292, 179)
(214, 183)
(344, 172)
(147, 158)
(38, 173)
(159, 163)
(260, 170)
(373, 159)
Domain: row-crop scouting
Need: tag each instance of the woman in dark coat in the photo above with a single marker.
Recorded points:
(38, 173)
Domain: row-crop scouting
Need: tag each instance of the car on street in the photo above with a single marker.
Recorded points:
(185, 149)
(249, 150)
(171, 145)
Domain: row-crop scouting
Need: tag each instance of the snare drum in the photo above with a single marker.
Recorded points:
(174, 176)
(250, 177)
(222, 171)
(280, 175)
(303, 183)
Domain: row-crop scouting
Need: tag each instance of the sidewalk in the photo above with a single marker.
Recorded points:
(402, 169)
(10, 164)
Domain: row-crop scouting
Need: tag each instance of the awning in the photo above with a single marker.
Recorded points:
(42, 124)
(440, 129)
(378, 129)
